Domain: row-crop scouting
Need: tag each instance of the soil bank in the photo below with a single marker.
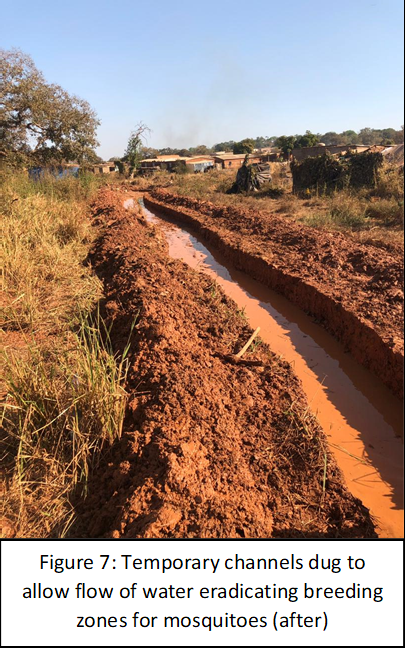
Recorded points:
(361, 418)
(212, 448)
(354, 290)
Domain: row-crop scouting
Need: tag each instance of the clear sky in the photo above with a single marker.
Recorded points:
(205, 71)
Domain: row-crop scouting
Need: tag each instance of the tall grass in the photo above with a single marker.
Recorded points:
(64, 396)
(375, 214)
(63, 406)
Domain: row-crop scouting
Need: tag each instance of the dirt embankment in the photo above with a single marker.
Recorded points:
(211, 448)
(354, 290)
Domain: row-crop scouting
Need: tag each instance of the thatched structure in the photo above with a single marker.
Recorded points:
(326, 173)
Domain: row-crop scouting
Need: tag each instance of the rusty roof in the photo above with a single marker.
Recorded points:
(234, 156)
(195, 158)
(164, 159)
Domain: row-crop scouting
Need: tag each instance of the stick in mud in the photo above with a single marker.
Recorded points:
(249, 342)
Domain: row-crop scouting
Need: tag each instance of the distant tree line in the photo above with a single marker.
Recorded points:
(287, 143)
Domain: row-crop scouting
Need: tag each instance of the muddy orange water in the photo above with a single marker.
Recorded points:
(361, 418)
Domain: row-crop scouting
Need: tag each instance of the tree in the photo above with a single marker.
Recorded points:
(309, 139)
(260, 142)
(367, 136)
(41, 122)
(399, 136)
(168, 151)
(244, 146)
(388, 134)
(149, 152)
(331, 138)
(224, 146)
(286, 143)
(350, 137)
(201, 149)
(133, 152)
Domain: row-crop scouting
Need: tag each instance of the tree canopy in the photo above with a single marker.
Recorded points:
(286, 143)
(244, 146)
(41, 121)
(223, 146)
(309, 139)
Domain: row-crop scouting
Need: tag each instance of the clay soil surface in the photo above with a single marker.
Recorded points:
(212, 448)
(354, 289)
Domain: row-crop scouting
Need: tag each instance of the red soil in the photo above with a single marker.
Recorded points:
(354, 290)
(211, 448)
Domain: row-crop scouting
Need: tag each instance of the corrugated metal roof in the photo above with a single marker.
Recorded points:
(234, 156)
(165, 159)
(200, 158)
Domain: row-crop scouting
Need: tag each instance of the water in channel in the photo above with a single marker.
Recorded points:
(360, 416)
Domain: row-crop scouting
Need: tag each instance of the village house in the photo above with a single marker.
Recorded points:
(200, 163)
(104, 168)
(194, 164)
(233, 160)
(161, 162)
(270, 154)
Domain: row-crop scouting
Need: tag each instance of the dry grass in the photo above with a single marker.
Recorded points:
(373, 215)
(63, 388)
(44, 242)
(370, 215)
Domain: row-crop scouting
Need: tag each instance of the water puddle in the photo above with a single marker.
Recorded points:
(360, 416)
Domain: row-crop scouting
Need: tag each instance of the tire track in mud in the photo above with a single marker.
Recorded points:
(380, 355)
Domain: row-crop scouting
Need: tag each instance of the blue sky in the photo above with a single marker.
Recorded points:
(208, 71)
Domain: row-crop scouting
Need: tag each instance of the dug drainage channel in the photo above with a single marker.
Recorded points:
(360, 416)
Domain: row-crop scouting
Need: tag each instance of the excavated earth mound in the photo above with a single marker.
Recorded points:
(354, 290)
(212, 447)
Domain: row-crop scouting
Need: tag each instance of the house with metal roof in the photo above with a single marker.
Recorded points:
(195, 164)
(233, 160)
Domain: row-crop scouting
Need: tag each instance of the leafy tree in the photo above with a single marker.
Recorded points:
(260, 142)
(244, 146)
(309, 139)
(367, 136)
(168, 151)
(350, 137)
(199, 150)
(133, 153)
(286, 143)
(180, 168)
(41, 122)
(331, 138)
(224, 146)
(388, 134)
(148, 152)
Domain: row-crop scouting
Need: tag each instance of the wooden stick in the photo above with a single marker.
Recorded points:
(249, 342)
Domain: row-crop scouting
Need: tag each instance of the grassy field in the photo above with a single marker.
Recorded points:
(62, 393)
(371, 215)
